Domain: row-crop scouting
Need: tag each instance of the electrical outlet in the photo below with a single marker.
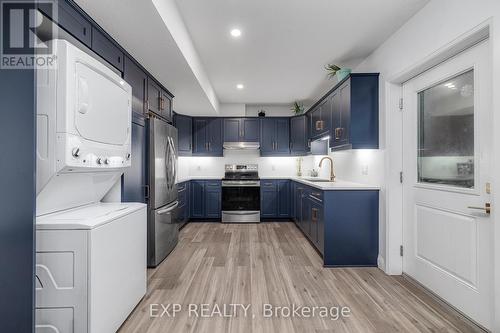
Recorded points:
(364, 169)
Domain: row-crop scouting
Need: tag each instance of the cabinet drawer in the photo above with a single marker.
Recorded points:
(316, 195)
(213, 184)
(268, 184)
(107, 49)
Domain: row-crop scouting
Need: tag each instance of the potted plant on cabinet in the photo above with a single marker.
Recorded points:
(297, 108)
(334, 70)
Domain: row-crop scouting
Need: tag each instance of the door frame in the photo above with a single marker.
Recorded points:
(393, 264)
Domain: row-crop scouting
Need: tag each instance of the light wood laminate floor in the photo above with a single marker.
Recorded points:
(273, 263)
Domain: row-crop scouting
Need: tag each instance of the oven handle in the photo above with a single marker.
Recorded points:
(238, 184)
(241, 213)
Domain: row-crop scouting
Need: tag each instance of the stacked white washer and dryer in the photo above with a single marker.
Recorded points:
(90, 255)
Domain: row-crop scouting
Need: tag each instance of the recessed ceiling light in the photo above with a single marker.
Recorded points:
(240, 86)
(236, 32)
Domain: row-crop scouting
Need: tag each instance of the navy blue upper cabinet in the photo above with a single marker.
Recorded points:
(184, 127)
(137, 79)
(251, 129)
(232, 131)
(153, 101)
(215, 140)
(321, 119)
(207, 137)
(348, 113)
(107, 49)
(70, 19)
(134, 178)
(298, 135)
(166, 105)
(363, 103)
(341, 116)
(274, 136)
(241, 130)
(159, 101)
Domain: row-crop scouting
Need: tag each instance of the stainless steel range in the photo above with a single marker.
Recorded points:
(241, 194)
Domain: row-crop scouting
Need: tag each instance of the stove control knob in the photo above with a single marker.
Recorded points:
(107, 161)
(99, 160)
(75, 152)
(128, 156)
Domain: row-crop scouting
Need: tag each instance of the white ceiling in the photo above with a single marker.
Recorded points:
(279, 58)
(141, 30)
(285, 43)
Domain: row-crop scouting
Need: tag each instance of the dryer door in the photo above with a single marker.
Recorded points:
(102, 110)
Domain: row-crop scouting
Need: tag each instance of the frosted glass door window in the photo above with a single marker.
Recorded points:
(446, 132)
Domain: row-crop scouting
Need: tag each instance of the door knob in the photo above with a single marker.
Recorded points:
(486, 208)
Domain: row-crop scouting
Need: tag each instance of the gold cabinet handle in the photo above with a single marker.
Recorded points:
(339, 131)
(319, 125)
(486, 208)
(314, 215)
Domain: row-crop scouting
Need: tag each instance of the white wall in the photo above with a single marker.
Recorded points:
(271, 110)
(232, 110)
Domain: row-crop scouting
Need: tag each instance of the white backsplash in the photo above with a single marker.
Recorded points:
(214, 166)
(362, 166)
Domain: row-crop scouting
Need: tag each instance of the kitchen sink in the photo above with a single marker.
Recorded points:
(318, 180)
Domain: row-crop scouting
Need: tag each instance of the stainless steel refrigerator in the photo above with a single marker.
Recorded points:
(163, 231)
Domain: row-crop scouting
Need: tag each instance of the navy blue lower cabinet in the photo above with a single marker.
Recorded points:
(342, 225)
(205, 199)
(268, 199)
(283, 187)
(183, 211)
(213, 191)
(351, 228)
(197, 199)
(275, 198)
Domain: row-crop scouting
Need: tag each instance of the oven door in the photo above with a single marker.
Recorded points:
(240, 198)
(240, 204)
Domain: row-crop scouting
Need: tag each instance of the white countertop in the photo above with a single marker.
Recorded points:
(185, 179)
(338, 185)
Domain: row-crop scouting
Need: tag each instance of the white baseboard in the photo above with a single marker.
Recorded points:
(381, 263)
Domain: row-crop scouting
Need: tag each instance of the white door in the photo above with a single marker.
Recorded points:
(446, 167)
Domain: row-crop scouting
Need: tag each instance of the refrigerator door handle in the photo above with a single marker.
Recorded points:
(166, 161)
(169, 209)
(174, 158)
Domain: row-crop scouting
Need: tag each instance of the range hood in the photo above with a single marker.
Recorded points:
(242, 145)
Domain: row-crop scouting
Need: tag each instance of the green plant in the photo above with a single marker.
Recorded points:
(332, 70)
(297, 108)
